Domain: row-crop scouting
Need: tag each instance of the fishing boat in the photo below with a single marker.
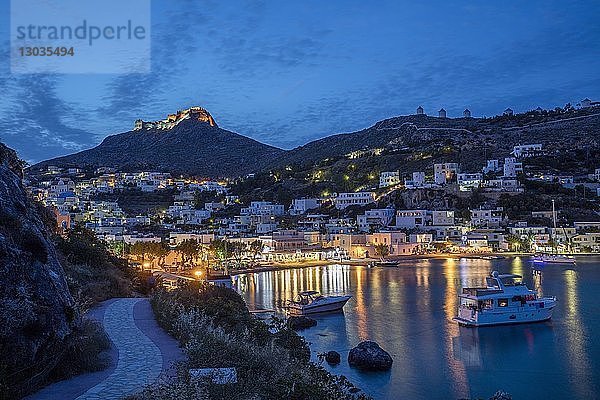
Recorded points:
(310, 302)
(554, 259)
(504, 300)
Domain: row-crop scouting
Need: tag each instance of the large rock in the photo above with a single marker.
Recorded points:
(37, 312)
(369, 356)
(298, 322)
(333, 357)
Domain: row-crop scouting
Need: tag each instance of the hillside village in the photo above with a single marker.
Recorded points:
(470, 211)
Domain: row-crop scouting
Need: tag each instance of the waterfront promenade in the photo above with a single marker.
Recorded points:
(141, 353)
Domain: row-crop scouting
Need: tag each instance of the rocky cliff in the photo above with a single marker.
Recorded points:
(36, 309)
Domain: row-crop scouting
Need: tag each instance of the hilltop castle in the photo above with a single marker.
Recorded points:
(197, 113)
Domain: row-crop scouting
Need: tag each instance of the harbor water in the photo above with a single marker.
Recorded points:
(408, 310)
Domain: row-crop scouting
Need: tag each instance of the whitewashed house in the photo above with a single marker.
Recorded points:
(302, 206)
(411, 219)
(343, 200)
(376, 218)
(389, 178)
(487, 217)
(491, 166)
(445, 172)
(527, 150)
(442, 218)
(418, 180)
(469, 181)
(512, 167)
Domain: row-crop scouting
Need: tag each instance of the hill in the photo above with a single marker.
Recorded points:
(183, 143)
(190, 142)
(468, 141)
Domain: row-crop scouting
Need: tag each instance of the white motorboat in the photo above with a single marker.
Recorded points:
(505, 300)
(554, 259)
(311, 302)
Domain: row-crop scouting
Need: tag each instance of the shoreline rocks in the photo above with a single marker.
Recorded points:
(370, 356)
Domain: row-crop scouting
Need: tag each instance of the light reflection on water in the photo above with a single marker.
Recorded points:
(408, 310)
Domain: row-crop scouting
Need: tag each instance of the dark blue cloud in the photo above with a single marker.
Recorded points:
(285, 73)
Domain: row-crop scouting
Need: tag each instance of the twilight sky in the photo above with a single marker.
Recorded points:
(286, 72)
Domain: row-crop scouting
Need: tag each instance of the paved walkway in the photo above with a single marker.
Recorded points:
(141, 351)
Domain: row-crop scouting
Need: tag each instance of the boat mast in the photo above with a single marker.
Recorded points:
(554, 222)
(553, 214)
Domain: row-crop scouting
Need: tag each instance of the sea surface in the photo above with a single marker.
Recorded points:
(408, 310)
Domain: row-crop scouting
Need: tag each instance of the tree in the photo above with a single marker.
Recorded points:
(162, 252)
(514, 242)
(138, 250)
(188, 249)
(220, 250)
(237, 249)
(256, 247)
(382, 250)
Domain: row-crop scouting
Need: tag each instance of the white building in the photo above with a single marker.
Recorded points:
(468, 182)
(389, 178)
(442, 218)
(527, 150)
(132, 239)
(491, 166)
(420, 110)
(418, 180)
(411, 219)
(445, 172)
(61, 186)
(301, 206)
(176, 238)
(467, 113)
(512, 167)
(376, 218)
(263, 208)
(485, 217)
(343, 200)
(442, 113)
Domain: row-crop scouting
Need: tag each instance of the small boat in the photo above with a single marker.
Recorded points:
(386, 263)
(554, 259)
(505, 300)
(311, 302)
(492, 257)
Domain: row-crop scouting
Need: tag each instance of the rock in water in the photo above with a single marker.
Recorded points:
(37, 312)
(333, 357)
(301, 322)
(369, 356)
(500, 395)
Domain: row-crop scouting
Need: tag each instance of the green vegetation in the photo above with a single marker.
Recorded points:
(216, 330)
(93, 273)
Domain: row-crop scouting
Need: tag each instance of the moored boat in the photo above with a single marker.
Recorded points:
(310, 302)
(504, 300)
(554, 259)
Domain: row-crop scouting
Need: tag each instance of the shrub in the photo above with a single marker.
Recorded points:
(85, 352)
(216, 330)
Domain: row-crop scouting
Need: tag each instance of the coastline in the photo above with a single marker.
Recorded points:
(266, 267)
(298, 265)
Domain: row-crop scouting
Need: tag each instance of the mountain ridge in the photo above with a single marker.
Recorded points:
(176, 149)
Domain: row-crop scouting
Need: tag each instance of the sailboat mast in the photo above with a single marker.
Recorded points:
(553, 214)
